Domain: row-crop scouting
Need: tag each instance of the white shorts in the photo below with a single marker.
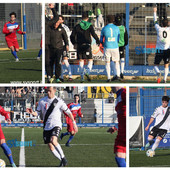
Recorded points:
(111, 54)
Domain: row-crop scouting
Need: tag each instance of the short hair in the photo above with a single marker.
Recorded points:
(118, 19)
(13, 13)
(165, 98)
(165, 22)
(61, 17)
(76, 95)
(85, 15)
(110, 18)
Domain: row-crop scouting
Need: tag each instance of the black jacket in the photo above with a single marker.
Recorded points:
(80, 36)
(57, 36)
(49, 24)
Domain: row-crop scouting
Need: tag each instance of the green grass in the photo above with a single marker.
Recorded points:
(27, 69)
(91, 147)
(139, 159)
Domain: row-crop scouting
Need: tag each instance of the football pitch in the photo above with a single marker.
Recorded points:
(139, 159)
(28, 69)
(91, 147)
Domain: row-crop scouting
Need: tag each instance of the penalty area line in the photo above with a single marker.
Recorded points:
(22, 151)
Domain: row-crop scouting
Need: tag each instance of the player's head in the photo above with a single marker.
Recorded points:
(76, 98)
(118, 19)
(51, 92)
(165, 22)
(110, 18)
(165, 101)
(12, 16)
(61, 19)
(85, 15)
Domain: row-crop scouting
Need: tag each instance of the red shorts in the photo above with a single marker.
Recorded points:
(41, 44)
(1, 133)
(120, 145)
(70, 126)
(12, 43)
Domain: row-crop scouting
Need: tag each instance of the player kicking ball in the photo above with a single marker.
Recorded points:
(10, 29)
(4, 146)
(162, 47)
(75, 108)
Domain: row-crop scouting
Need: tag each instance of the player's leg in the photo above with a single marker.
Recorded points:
(6, 149)
(72, 134)
(166, 64)
(107, 64)
(158, 58)
(14, 53)
(54, 151)
(120, 159)
(68, 132)
(152, 134)
(166, 72)
(51, 64)
(88, 54)
(81, 65)
(39, 54)
(65, 60)
(122, 61)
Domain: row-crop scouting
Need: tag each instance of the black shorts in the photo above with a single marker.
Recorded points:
(84, 52)
(47, 134)
(122, 52)
(162, 55)
(158, 132)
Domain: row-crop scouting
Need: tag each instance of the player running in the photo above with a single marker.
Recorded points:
(51, 108)
(10, 29)
(162, 47)
(110, 34)
(81, 39)
(65, 50)
(120, 141)
(123, 41)
(162, 121)
(75, 108)
(3, 144)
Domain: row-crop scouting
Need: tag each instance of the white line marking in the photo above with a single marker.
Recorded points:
(22, 151)
(103, 144)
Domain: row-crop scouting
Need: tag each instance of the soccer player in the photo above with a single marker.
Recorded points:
(65, 51)
(110, 34)
(161, 116)
(75, 108)
(51, 108)
(120, 141)
(81, 39)
(162, 47)
(123, 41)
(10, 29)
(3, 144)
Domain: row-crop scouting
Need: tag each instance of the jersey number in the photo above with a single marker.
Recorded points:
(164, 34)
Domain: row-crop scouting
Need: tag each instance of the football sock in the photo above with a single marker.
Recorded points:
(112, 65)
(70, 138)
(89, 66)
(67, 133)
(59, 150)
(121, 162)
(56, 154)
(122, 64)
(68, 67)
(7, 152)
(14, 53)
(166, 73)
(156, 69)
(81, 64)
(40, 53)
(117, 69)
(108, 70)
(155, 145)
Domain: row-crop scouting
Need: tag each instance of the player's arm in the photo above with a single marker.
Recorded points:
(73, 37)
(80, 113)
(5, 114)
(94, 35)
(150, 122)
(118, 37)
(55, 14)
(65, 38)
(19, 31)
(5, 30)
(126, 37)
(101, 37)
(154, 15)
(30, 111)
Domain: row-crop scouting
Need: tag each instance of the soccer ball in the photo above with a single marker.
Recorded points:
(2, 163)
(150, 153)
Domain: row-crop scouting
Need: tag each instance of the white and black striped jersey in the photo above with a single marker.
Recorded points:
(163, 36)
(55, 117)
(159, 115)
